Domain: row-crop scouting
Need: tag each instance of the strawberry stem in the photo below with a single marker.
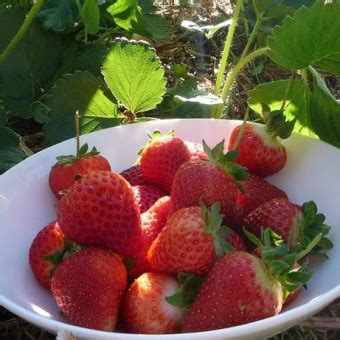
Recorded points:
(77, 119)
(240, 132)
(310, 246)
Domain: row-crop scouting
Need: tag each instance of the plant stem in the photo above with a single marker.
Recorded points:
(252, 36)
(288, 87)
(173, 96)
(234, 73)
(310, 247)
(22, 31)
(305, 94)
(77, 119)
(227, 47)
(240, 132)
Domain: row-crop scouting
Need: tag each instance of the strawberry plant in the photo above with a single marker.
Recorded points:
(301, 45)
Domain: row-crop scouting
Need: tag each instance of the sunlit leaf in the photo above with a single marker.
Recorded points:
(272, 94)
(135, 75)
(310, 37)
(325, 112)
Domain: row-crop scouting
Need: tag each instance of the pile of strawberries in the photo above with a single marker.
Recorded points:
(190, 239)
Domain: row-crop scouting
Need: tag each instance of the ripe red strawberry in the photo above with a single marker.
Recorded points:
(235, 241)
(196, 151)
(145, 309)
(293, 223)
(210, 181)
(146, 196)
(256, 192)
(88, 287)
(64, 172)
(237, 290)
(243, 288)
(259, 149)
(161, 158)
(134, 176)
(189, 241)
(46, 253)
(100, 210)
(153, 221)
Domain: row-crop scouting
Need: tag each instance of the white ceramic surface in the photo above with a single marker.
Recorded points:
(26, 205)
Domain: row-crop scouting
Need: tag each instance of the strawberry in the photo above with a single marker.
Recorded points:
(63, 174)
(88, 288)
(161, 158)
(189, 240)
(46, 253)
(235, 240)
(134, 176)
(242, 288)
(145, 309)
(146, 196)
(295, 224)
(196, 151)
(100, 210)
(259, 149)
(153, 221)
(210, 181)
(256, 192)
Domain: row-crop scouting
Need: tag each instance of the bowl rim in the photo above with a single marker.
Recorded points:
(296, 314)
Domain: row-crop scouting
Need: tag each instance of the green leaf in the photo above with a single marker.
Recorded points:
(31, 63)
(59, 15)
(263, 5)
(10, 156)
(324, 112)
(90, 15)
(278, 12)
(135, 75)
(83, 92)
(157, 26)
(313, 224)
(190, 287)
(272, 95)
(179, 70)
(310, 37)
(8, 137)
(298, 3)
(78, 56)
(125, 14)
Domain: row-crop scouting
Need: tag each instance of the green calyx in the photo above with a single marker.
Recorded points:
(278, 126)
(82, 152)
(281, 261)
(154, 136)
(226, 161)
(190, 286)
(214, 220)
(313, 224)
(58, 257)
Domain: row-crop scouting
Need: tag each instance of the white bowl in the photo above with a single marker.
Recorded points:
(26, 205)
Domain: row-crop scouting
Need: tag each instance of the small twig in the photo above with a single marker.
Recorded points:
(24, 148)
